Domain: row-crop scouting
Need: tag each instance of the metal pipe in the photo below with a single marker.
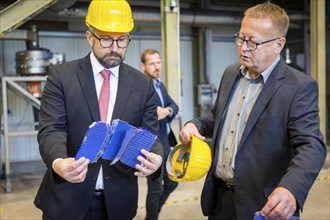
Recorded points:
(188, 17)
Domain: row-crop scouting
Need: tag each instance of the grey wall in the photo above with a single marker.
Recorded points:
(21, 118)
(74, 46)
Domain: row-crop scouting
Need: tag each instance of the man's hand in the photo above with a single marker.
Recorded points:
(150, 164)
(186, 132)
(73, 171)
(162, 112)
(281, 204)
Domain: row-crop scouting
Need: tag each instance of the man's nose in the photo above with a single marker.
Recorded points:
(114, 46)
(245, 45)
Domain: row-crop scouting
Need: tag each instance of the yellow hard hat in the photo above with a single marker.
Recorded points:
(189, 163)
(110, 16)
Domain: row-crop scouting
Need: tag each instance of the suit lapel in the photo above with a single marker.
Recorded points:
(226, 89)
(124, 87)
(163, 92)
(224, 95)
(272, 84)
(159, 102)
(225, 92)
(86, 79)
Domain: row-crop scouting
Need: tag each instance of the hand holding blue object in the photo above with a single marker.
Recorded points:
(258, 216)
(95, 141)
(138, 139)
(118, 141)
(118, 130)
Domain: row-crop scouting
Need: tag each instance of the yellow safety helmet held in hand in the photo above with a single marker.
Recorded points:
(110, 16)
(189, 163)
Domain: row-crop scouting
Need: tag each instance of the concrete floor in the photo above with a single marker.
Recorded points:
(183, 203)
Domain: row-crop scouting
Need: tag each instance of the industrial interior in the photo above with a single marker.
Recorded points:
(196, 40)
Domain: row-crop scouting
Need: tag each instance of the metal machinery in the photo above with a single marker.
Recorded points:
(31, 68)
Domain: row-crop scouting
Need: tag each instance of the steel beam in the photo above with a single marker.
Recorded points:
(11, 82)
(19, 12)
(318, 55)
(170, 27)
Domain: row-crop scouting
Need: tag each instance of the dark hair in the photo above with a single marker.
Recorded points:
(146, 52)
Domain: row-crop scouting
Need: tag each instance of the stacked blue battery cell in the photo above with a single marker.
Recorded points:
(142, 139)
(118, 141)
(118, 131)
(135, 140)
(129, 134)
(95, 141)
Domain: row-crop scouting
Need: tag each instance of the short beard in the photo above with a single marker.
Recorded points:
(107, 63)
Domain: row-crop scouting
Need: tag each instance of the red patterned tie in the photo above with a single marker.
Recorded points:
(104, 95)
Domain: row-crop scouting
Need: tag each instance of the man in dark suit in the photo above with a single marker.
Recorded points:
(159, 190)
(76, 189)
(266, 142)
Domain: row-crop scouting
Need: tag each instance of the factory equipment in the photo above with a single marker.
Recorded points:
(205, 97)
(35, 61)
(31, 67)
(32, 63)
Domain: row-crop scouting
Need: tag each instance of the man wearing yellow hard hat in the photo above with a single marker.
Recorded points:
(98, 87)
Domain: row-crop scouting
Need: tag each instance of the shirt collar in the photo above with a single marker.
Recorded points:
(97, 67)
(157, 82)
(264, 75)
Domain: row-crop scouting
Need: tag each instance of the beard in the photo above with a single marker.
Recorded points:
(111, 59)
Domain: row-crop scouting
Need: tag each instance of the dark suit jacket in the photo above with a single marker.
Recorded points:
(280, 146)
(168, 102)
(69, 106)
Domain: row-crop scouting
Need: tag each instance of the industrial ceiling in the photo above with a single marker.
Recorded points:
(68, 15)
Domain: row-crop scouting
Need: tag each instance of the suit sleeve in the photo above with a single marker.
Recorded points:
(169, 102)
(306, 141)
(52, 136)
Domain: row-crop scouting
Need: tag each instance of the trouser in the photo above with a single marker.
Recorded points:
(158, 192)
(96, 210)
(225, 203)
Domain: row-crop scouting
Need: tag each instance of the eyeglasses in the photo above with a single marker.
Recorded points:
(252, 45)
(107, 42)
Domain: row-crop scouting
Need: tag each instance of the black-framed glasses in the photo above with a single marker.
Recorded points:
(107, 42)
(252, 45)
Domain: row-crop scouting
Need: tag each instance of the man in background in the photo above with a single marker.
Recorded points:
(159, 190)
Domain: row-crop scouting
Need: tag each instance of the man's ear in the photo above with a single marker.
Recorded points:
(143, 66)
(279, 44)
(89, 38)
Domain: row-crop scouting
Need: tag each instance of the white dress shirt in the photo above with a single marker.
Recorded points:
(97, 68)
(239, 109)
